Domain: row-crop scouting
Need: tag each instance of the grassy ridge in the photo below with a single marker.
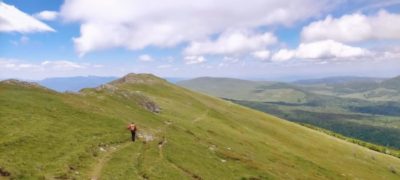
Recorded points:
(52, 135)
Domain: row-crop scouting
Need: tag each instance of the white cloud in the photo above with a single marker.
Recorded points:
(391, 53)
(14, 20)
(262, 54)
(62, 65)
(13, 64)
(145, 58)
(232, 43)
(15, 68)
(354, 28)
(283, 55)
(327, 49)
(136, 24)
(194, 59)
(46, 15)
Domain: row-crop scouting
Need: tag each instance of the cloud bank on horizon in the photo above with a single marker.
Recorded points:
(207, 33)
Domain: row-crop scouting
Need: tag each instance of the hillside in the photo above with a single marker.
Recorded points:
(375, 122)
(183, 135)
(337, 80)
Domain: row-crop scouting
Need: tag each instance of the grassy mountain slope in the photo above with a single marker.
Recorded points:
(45, 134)
(379, 129)
(376, 122)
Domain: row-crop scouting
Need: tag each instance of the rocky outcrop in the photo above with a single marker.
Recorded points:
(138, 79)
(150, 105)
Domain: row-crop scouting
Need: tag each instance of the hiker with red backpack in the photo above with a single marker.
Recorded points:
(132, 127)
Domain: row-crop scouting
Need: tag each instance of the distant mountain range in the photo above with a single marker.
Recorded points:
(376, 89)
(366, 88)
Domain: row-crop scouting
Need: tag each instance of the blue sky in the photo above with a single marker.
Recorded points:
(263, 39)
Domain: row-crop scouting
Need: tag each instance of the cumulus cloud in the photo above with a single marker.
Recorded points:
(62, 65)
(283, 55)
(14, 20)
(327, 49)
(145, 58)
(46, 15)
(136, 24)
(354, 28)
(194, 59)
(262, 54)
(231, 43)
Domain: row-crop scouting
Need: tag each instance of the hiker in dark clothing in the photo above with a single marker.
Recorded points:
(132, 127)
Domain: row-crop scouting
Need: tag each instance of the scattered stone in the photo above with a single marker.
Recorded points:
(146, 137)
(162, 142)
(149, 105)
(393, 170)
(223, 160)
(107, 87)
(102, 149)
(4, 173)
(212, 147)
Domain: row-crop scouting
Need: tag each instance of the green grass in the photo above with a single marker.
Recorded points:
(379, 129)
(371, 121)
(51, 135)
